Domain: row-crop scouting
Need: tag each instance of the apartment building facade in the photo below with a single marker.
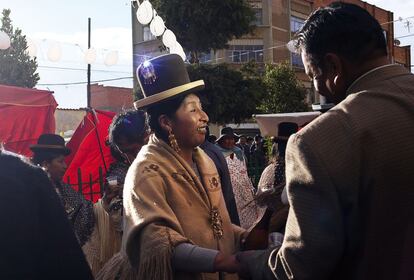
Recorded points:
(276, 22)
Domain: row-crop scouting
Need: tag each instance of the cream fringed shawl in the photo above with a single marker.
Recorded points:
(105, 241)
(166, 204)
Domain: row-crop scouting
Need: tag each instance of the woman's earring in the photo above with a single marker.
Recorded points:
(173, 141)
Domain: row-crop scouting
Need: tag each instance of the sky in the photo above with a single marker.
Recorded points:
(46, 22)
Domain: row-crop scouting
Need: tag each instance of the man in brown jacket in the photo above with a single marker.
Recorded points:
(350, 173)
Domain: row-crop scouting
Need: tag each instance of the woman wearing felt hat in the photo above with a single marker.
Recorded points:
(243, 189)
(176, 222)
(271, 191)
(49, 153)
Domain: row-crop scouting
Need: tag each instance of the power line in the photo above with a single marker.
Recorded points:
(81, 83)
(400, 19)
(405, 36)
(80, 69)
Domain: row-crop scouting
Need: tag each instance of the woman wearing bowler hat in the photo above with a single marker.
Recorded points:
(271, 188)
(176, 222)
(243, 189)
(49, 153)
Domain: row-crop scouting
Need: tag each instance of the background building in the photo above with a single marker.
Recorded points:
(111, 98)
(67, 120)
(276, 22)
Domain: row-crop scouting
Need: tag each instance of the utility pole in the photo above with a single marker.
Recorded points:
(89, 67)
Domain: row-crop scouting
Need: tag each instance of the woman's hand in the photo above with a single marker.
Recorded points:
(111, 191)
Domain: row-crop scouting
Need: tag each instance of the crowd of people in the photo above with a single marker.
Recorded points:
(334, 202)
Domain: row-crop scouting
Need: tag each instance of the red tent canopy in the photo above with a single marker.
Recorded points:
(86, 144)
(25, 114)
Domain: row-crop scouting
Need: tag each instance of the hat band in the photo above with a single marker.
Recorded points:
(49, 146)
(166, 94)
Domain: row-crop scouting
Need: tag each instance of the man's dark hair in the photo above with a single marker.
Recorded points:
(341, 28)
(130, 124)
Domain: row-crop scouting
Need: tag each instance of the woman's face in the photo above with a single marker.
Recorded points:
(56, 168)
(129, 150)
(189, 123)
(227, 143)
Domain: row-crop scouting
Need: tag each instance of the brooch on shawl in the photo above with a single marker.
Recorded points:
(216, 223)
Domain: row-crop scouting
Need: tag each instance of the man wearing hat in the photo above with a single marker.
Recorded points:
(49, 153)
(242, 144)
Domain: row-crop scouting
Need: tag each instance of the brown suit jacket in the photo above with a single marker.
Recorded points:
(350, 182)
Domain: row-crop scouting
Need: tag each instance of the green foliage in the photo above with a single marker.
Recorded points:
(202, 25)
(17, 68)
(284, 93)
(230, 95)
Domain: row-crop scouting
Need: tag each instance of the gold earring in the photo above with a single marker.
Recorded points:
(173, 141)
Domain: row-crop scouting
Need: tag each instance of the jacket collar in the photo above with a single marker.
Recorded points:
(372, 77)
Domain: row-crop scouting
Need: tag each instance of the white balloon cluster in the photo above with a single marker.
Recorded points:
(54, 53)
(147, 15)
(4, 40)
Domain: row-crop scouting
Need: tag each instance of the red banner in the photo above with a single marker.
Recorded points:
(25, 114)
(86, 144)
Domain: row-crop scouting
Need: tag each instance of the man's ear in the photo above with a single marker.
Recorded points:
(165, 123)
(334, 71)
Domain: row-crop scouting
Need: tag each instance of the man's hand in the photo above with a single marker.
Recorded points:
(254, 264)
(226, 263)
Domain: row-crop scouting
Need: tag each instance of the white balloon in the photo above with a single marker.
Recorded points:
(4, 41)
(54, 53)
(31, 48)
(90, 56)
(145, 13)
(178, 49)
(182, 54)
(157, 26)
(169, 39)
(111, 58)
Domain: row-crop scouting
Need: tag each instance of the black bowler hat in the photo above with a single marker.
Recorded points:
(164, 77)
(227, 132)
(50, 143)
(285, 130)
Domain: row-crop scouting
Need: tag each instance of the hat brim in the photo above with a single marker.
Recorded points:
(235, 136)
(156, 98)
(281, 139)
(40, 148)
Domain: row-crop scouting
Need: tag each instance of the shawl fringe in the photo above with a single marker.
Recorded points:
(117, 268)
(157, 266)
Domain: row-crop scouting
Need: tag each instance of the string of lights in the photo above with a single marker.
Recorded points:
(212, 61)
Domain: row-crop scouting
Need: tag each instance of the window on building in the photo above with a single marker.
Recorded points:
(297, 60)
(245, 53)
(258, 12)
(296, 23)
(147, 34)
(204, 57)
